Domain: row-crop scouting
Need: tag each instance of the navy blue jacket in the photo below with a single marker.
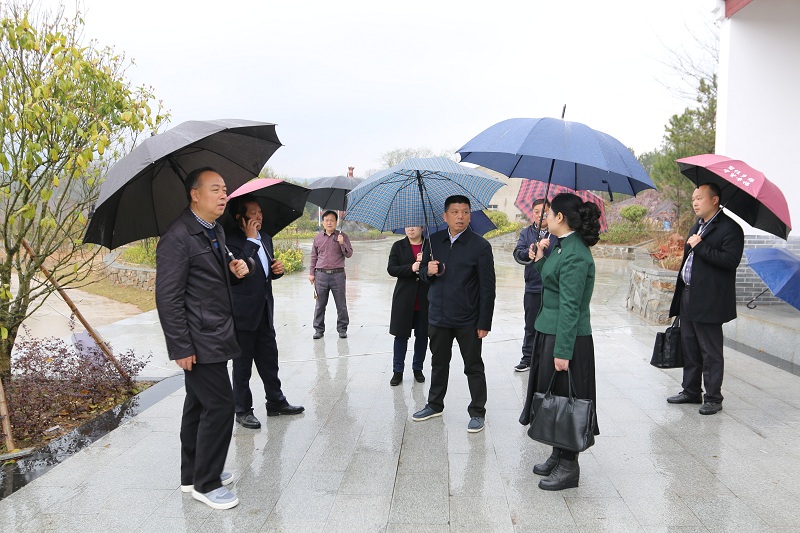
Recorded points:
(463, 295)
(533, 280)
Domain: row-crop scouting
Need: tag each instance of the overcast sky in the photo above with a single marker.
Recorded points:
(350, 80)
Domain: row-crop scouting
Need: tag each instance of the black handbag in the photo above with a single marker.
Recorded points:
(562, 422)
(667, 348)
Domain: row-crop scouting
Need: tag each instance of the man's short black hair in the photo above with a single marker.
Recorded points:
(714, 188)
(456, 199)
(540, 201)
(193, 179)
(330, 212)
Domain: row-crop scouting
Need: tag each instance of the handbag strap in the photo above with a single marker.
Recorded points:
(572, 395)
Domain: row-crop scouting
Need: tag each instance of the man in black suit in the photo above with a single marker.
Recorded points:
(253, 313)
(194, 306)
(705, 298)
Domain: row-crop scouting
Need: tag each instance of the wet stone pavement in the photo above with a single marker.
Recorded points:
(356, 462)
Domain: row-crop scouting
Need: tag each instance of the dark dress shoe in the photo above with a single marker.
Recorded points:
(565, 475)
(248, 421)
(710, 408)
(546, 468)
(342, 334)
(684, 398)
(285, 410)
(397, 378)
(419, 376)
(318, 335)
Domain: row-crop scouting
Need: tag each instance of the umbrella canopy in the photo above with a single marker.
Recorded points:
(331, 193)
(413, 192)
(281, 203)
(532, 190)
(557, 151)
(780, 270)
(478, 222)
(143, 192)
(745, 191)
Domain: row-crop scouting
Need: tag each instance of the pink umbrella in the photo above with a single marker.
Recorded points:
(745, 191)
(532, 190)
(281, 203)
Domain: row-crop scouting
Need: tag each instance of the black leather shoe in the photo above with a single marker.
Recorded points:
(397, 378)
(565, 475)
(546, 468)
(248, 421)
(318, 335)
(684, 398)
(285, 410)
(342, 334)
(419, 376)
(710, 408)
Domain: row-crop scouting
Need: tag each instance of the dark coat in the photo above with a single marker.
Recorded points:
(463, 295)
(193, 294)
(712, 298)
(406, 290)
(533, 280)
(252, 295)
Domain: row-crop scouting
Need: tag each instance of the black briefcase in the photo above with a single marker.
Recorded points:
(667, 348)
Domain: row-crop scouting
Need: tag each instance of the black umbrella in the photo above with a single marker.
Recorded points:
(143, 192)
(331, 193)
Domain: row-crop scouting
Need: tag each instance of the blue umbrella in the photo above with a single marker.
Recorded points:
(412, 193)
(478, 222)
(557, 151)
(780, 270)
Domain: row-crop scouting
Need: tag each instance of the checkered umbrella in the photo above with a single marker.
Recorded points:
(413, 192)
(532, 190)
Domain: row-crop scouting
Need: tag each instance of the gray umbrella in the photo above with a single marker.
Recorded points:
(331, 193)
(143, 192)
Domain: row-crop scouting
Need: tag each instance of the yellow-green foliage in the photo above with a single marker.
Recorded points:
(140, 253)
(500, 220)
(290, 255)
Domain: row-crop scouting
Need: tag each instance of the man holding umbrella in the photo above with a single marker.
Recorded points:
(253, 313)
(194, 306)
(460, 270)
(705, 298)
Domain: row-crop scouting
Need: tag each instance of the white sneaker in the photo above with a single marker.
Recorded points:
(226, 478)
(220, 498)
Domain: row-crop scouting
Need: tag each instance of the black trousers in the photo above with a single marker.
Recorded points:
(206, 425)
(259, 347)
(702, 357)
(442, 351)
(532, 301)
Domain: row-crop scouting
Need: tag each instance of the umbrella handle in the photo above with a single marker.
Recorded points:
(750, 304)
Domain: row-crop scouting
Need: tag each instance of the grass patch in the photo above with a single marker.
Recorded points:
(102, 286)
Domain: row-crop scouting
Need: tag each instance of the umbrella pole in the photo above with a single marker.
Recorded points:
(421, 186)
(89, 329)
(751, 304)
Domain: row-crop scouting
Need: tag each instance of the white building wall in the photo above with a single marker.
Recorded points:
(758, 113)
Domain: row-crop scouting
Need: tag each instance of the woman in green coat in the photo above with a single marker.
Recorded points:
(563, 329)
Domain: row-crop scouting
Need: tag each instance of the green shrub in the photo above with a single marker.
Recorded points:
(633, 213)
(499, 218)
(140, 253)
(290, 255)
(625, 232)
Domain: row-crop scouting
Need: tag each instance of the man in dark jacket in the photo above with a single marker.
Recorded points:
(460, 270)
(524, 254)
(705, 298)
(253, 314)
(194, 306)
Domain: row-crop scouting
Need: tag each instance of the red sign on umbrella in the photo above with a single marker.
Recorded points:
(745, 191)
(532, 190)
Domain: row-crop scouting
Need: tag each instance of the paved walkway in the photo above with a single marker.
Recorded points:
(354, 461)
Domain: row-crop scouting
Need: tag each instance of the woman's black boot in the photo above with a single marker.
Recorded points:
(545, 468)
(564, 476)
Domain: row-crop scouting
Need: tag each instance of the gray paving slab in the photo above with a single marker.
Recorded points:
(355, 461)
